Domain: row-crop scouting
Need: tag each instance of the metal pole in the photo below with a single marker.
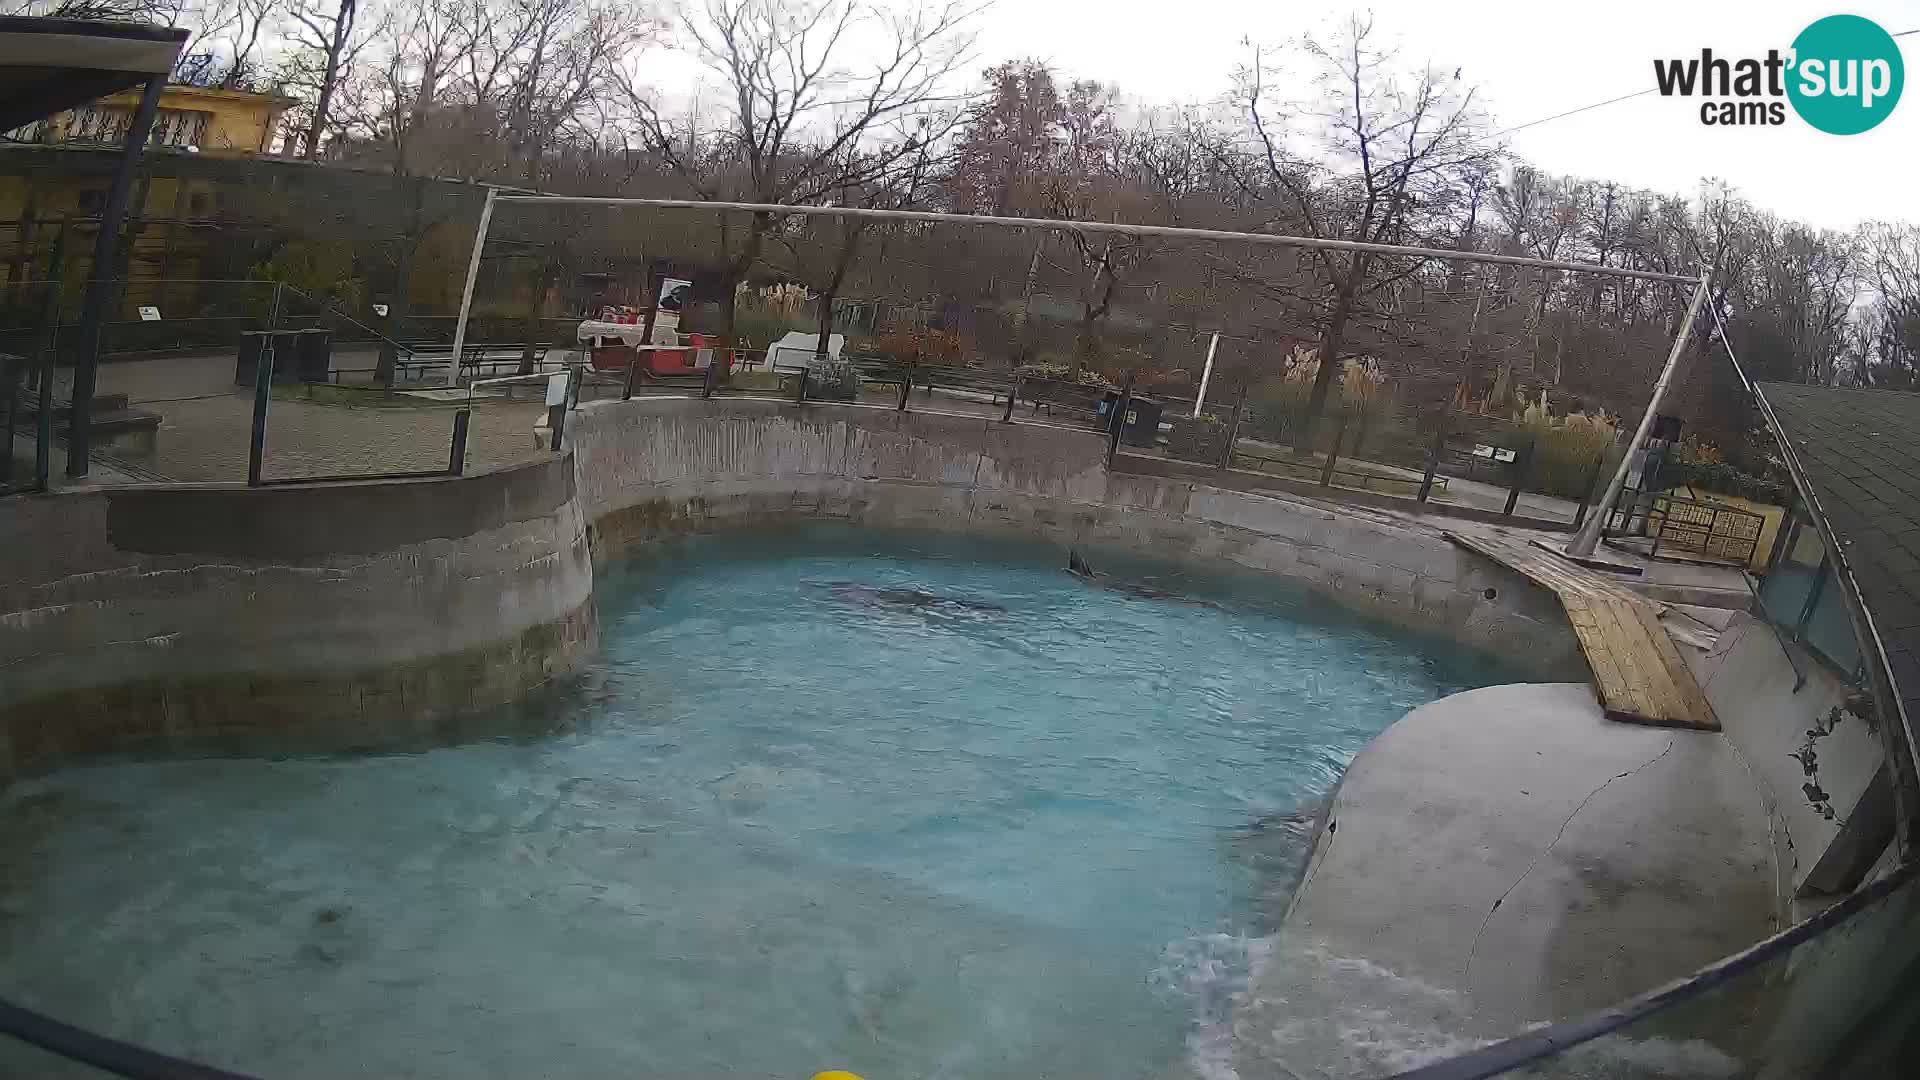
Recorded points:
(646, 331)
(1118, 421)
(1333, 452)
(1441, 425)
(262, 394)
(1233, 428)
(466, 293)
(1111, 228)
(1588, 537)
(457, 454)
(49, 351)
(906, 386)
(1012, 392)
(1522, 462)
(1206, 375)
(1586, 493)
(94, 308)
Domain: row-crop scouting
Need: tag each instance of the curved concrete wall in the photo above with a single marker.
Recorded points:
(342, 615)
(170, 618)
(661, 465)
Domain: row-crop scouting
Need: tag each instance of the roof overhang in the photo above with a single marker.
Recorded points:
(50, 65)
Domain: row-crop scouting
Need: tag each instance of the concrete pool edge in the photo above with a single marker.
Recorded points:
(657, 467)
(192, 619)
(166, 619)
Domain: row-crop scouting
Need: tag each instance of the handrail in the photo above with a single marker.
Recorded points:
(1554, 1039)
(100, 1051)
(1897, 738)
(330, 309)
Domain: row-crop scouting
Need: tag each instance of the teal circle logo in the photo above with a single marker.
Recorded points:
(1846, 74)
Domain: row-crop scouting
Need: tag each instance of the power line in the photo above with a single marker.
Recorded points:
(1574, 112)
(1612, 101)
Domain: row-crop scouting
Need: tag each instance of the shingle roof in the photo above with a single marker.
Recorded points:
(1861, 453)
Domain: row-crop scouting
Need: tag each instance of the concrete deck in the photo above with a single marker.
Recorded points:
(1557, 864)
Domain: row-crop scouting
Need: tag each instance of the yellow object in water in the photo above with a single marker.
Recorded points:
(835, 1074)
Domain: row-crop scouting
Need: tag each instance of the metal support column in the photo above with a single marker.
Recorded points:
(93, 310)
(466, 291)
(1588, 538)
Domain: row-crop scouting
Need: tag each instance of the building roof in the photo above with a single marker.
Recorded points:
(50, 65)
(1860, 450)
(176, 92)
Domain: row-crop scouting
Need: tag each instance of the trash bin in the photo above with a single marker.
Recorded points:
(285, 350)
(1141, 425)
(312, 359)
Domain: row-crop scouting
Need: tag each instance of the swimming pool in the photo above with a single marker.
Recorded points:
(828, 799)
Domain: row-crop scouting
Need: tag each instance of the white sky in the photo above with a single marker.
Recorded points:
(1530, 59)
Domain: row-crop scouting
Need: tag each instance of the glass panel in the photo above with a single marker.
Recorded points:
(1791, 580)
(1829, 630)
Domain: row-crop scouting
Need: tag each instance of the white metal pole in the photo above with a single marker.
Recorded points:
(1171, 232)
(1206, 374)
(1588, 538)
(466, 294)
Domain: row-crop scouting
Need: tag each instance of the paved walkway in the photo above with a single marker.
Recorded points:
(206, 427)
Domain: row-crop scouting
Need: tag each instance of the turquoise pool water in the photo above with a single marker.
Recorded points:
(827, 799)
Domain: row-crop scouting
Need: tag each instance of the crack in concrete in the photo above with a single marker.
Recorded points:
(1466, 980)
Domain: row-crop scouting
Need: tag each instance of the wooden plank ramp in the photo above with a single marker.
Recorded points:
(1637, 669)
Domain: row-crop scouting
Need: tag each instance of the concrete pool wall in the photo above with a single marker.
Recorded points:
(190, 619)
(660, 466)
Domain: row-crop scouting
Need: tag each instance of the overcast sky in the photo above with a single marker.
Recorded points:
(1531, 59)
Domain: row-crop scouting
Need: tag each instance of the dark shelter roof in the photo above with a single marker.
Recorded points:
(1861, 453)
(49, 65)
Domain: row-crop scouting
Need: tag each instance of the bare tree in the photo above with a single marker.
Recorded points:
(802, 122)
(325, 44)
(1892, 323)
(156, 11)
(1387, 156)
(228, 40)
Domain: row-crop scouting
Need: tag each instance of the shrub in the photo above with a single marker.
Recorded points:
(1724, 479)
(1565, 448)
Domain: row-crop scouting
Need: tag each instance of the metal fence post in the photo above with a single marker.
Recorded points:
(800, 386)
(1433, 456)
(1233, 428)
(1333, 452)
(49, 350)
(1012, 392)
(262, 393)
(457, 456)
(906, 386)
(1522, 464)
(713, 369)
(1586, 495)
(1118, 421)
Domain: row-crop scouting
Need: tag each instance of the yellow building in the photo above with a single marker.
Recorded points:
(190, 118)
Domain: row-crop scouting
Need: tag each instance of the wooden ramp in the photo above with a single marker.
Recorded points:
(1639, 672)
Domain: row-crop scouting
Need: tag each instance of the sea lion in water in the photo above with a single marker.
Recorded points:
(909, 599)
(1078, 567)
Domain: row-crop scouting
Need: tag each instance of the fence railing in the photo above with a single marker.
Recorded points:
(1698, 529)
